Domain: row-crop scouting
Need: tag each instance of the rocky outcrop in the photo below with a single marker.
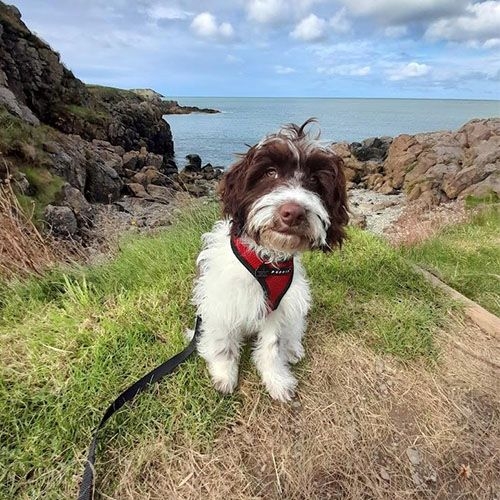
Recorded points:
(36, 87)
(432, 167)
(170, 107)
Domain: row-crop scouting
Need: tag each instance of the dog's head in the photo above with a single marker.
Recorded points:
(287, 193)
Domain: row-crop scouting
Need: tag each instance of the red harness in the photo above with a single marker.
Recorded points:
(275, 279)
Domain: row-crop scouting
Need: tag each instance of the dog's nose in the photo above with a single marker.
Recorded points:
(292, 214)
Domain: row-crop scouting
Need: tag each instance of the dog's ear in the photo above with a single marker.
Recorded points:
(232, 187)
(336, 205)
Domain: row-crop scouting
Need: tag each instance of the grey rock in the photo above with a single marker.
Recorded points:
(103, 184)
(10, 102)
(413, 456)
(74, 199)
(61, 220)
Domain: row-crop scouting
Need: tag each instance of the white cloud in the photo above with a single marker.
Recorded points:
(226, 30)
(409, 70)
(159, 12)
(283, 70)
(339, 21)
(345, 70)
(310, 29)
(205, 25)
(398, 12)
(267, 11)
(395, 31)
(480, 23)
(277, 11)
(492, 43)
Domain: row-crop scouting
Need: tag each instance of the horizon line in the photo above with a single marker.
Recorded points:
(328, 97)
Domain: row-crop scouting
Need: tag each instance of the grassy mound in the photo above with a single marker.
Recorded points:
(467, 257)
(72, 341)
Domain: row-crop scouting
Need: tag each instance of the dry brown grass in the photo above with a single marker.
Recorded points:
(349, 435)
(420, 222)
(23, 249)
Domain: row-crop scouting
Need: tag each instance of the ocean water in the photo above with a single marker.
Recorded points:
(216, 138)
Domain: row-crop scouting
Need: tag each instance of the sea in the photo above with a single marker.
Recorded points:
(243, 121)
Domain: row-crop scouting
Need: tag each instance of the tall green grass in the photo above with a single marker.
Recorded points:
(71, 341)
(467, 257)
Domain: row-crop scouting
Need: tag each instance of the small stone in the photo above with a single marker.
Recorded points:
(413, 456)
(384, 474)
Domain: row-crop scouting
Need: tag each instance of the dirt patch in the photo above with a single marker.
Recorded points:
(363, 426)
(419, 221)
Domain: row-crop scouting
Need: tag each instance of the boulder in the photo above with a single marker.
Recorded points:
(374, 148)
(136, 189)
(160, 194)
(194, 163)
(81, 208)
(103, 184)
(61, 220)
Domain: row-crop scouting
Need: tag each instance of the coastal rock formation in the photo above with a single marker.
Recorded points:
(432, 167)
(36, 87)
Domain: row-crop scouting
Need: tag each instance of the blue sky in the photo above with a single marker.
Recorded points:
(324, 48)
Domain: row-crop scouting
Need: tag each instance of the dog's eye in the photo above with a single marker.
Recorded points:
(314, 179)
(272, 172)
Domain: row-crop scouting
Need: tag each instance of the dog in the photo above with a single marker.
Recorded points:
(286, 195)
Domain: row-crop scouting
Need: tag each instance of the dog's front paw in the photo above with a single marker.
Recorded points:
(224, 376)
(282, 388)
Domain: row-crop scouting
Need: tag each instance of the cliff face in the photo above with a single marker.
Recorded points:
(32, 71)
(36, 87)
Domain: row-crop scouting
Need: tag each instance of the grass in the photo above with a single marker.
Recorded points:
(467, 257)
(24, 145)
(71, 341)
(88, 114)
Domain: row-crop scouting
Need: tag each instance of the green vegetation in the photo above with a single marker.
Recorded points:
(111, 94)
(13, 129)
(467, 257)
(23, 143)
(71, 341)
(88, 114)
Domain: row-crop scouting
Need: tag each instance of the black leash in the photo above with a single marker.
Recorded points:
(86, 487)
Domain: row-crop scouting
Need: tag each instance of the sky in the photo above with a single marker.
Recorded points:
(307, 48)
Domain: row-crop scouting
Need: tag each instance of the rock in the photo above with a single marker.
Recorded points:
(198, 188)
(160, 194)
(136, 189)
(169, 166)
(154, 160)
(21, 184)
(194, 163)
(130, 160)
(12, 105)
(413, 456)
(467, 177)
(384, 474)
(485, 188)
(103, 184)
(145, 212)
(149, 175)
(373, 148)
(61, 220)
(81, 208)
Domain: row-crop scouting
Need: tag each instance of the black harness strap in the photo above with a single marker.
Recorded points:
(87, 484)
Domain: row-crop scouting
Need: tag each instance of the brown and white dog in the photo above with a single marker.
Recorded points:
(286, 195)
